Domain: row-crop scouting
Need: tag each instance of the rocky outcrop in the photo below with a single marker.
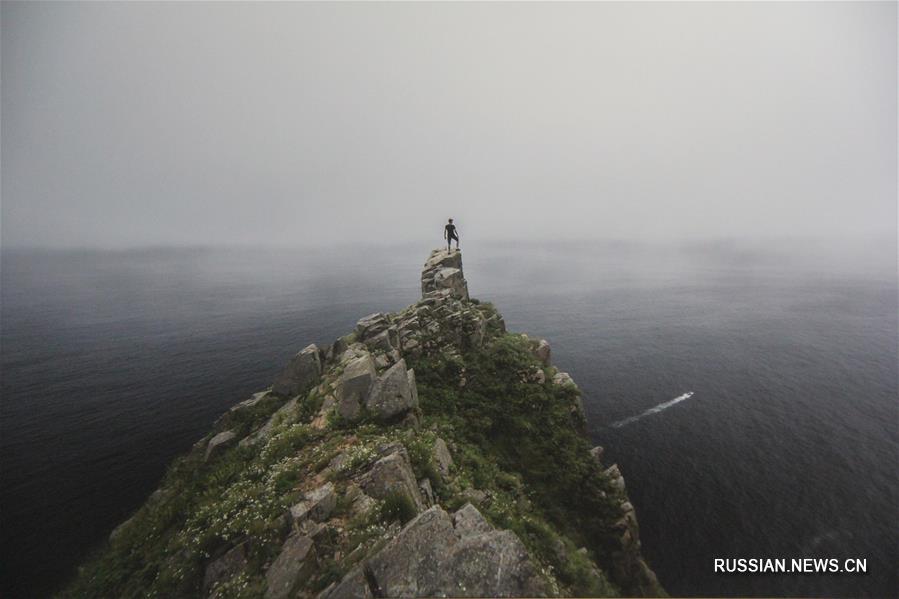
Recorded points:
(393, 394)
(440, 555)
(392, 475)
(291, 568)
(316, 505)
(357, 378)
(219, 443)
(301, 373)
(347, 480)
(443, 272)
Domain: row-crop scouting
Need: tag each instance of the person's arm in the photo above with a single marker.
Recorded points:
(445, 233)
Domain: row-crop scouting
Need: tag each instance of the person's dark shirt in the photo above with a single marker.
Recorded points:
(451, 231)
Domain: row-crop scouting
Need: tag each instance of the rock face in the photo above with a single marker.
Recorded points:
(352, 388)
(392, 475)
(291, 568)
(438, 555)
(393, 393)
(223, 568)
(301, 373)
(219, 443)
(316, 505)
(443, 271)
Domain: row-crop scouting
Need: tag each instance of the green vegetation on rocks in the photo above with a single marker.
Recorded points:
(432, 429)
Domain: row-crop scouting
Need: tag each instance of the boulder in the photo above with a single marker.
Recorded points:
(224, 568)
(597, 452)
(219, 443)
(316, 504)
(392, 394)
(371, 325)
(354, 384)
(386, 341)
(301, 373)
(433, 556)
(291, 568)
(392, 474)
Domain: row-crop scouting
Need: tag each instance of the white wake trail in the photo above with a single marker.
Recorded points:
(653, 410)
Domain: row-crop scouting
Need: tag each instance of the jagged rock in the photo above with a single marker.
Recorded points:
(336, 349)
(354, 384)
(360, 503)
(427, 493)
(387, 340)
(224, 568)
(432, 558)
(563, 379)
(219, 443)
(301, 373)
(597, 452)
(442, 457)
(392, 474)
(371, 325)
(468, 520)
(615, 477)
(291, 568)
(543, 351)
(443, 272)
(316, 504)
(392, 394)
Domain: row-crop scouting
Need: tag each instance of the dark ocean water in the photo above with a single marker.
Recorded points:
(113, 363)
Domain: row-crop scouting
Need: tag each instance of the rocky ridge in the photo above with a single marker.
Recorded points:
(412, 457)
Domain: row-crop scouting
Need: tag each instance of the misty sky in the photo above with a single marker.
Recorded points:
(135, 124)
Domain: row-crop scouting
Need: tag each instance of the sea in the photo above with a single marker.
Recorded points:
(746, 389)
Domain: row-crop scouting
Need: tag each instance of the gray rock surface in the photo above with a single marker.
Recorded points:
(392, 474)
(443, 272)
(432, 557)
(222, 569)
(300, 374)
(316, 504)
(291, 568)
(219, 443)
(392, 395)
(354, 383)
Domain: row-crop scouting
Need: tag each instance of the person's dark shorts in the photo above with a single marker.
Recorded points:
(452, 237)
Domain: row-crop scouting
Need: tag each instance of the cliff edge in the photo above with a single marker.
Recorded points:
(427, 453)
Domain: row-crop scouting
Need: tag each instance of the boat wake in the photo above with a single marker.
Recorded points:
(653, 410)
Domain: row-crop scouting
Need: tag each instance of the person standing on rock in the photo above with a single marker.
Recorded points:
(449, 233)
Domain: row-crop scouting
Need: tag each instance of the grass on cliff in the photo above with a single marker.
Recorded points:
(522, 441)
(508, 439)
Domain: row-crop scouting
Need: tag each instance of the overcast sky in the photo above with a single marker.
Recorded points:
(128, 124)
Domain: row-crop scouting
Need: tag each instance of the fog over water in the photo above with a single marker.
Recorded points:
(682, 197)
(129, 124)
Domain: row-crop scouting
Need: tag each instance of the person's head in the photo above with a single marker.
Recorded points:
(451, 221)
